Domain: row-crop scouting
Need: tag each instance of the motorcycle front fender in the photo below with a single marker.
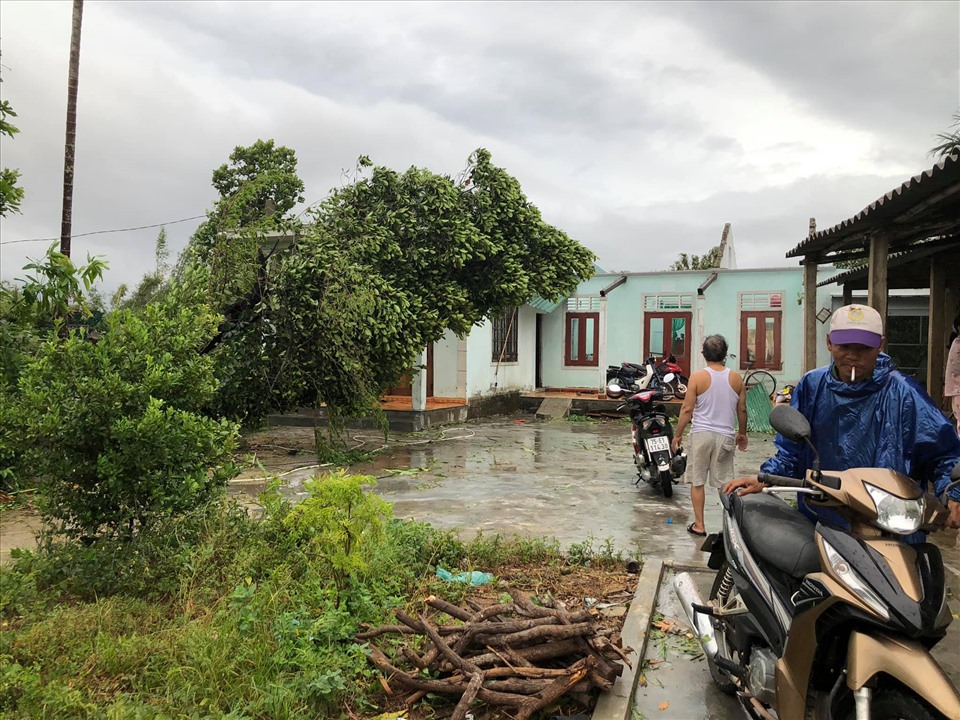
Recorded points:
(907, 661)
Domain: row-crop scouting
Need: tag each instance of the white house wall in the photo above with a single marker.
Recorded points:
(483, 375)
(621, 320)
(450, 366)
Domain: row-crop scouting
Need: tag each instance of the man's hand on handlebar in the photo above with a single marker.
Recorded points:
(744, 486)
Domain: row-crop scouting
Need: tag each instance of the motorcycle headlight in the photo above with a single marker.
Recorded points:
(851, 578)
(896, 514)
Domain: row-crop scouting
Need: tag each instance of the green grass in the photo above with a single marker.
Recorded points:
(215, 615)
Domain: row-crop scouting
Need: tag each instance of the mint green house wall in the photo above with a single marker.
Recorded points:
(718, 310)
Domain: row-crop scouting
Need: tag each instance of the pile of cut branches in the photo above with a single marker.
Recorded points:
(519, 655)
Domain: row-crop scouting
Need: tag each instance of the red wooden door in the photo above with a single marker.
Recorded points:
(668, 333)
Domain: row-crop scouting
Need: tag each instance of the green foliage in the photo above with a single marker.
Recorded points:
(115, 430)
(11, 194)
(257, 188)
(950, 141)
(387, 265)
(42, 305)
(339, 523)
(248, 622)
(54, 293)
(707, 261)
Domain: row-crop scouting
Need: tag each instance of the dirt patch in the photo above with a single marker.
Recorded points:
(605, 593)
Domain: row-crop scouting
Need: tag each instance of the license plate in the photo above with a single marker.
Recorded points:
(658, 444)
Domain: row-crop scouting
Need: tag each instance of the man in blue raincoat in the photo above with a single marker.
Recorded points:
(865, 413)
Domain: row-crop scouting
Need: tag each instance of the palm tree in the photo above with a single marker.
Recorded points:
(70, 145)
(951, 140)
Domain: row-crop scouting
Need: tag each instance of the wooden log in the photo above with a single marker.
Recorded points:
(378, 658)
(400, 630)
(469, 695)
(537, 634)
(471, 630)
(414, 698)
(538, 653)
(578, 671)
(449, 608)
(458, 662)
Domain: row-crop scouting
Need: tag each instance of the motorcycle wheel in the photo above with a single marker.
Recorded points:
(722, 680)
(680, 390)
(666, 484)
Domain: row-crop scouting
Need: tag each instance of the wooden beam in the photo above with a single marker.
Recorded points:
(877, 285)
(847, 293)
(809, 316)
(936, 330)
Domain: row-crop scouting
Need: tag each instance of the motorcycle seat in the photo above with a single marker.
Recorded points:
(778, 534)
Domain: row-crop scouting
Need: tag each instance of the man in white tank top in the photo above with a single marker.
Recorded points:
(715, 398)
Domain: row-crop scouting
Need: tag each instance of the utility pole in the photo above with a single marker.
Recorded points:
(70, 145)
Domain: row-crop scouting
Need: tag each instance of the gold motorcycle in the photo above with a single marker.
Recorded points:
(810, 621)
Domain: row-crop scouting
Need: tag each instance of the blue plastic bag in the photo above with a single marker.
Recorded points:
(474, 578)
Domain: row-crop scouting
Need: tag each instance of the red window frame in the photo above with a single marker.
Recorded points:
(582, 339)
(760, 362)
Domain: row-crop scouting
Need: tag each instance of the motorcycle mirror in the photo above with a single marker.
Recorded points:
(790, 422)
(669, 377)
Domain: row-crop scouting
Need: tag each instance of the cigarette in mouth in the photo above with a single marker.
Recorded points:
(853, 375)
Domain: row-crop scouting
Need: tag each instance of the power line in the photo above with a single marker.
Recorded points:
(104, 232)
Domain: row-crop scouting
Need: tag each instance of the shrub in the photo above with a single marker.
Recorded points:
(115, 430)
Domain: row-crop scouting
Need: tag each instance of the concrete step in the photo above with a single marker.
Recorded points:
(554, 407)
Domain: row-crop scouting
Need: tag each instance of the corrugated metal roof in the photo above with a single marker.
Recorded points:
(943, 249)
(928, 204)
(544, 306)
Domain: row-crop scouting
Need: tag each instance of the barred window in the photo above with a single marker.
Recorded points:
(583, 304)
(505, 337)
(761, 301)
(673, 301)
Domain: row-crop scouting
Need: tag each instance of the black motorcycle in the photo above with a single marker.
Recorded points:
(652, 435)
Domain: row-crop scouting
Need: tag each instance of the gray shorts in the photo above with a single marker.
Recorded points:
(710, 459)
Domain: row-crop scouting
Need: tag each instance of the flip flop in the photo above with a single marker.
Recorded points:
(695, 532)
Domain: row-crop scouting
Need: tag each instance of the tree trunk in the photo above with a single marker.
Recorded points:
(70, 145)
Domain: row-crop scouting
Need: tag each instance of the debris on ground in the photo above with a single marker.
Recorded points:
(519, 655)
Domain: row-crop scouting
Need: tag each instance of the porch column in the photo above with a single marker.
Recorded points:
(602, 349)
(418, 387)
(809, 313)
(936, 330)
(847, 293)
(877, 282)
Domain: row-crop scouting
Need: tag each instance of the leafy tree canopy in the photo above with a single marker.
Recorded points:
(708, 261)
(11, 194)
(387, 265)
(950, 141)
(258, 187)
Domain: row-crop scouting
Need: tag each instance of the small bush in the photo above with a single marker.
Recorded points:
(115, 430)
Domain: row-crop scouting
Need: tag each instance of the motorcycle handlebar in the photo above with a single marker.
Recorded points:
(769, 479)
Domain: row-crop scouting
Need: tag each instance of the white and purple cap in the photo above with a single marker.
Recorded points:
(856, 324)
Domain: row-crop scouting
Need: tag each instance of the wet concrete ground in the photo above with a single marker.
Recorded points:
(554, 479)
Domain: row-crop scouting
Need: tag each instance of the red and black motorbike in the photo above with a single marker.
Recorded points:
(650, 375)
(652, 436)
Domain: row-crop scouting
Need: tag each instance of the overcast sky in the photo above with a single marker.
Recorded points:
(638, 128)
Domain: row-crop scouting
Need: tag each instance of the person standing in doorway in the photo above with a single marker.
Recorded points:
(951, 387)
(716, 397)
